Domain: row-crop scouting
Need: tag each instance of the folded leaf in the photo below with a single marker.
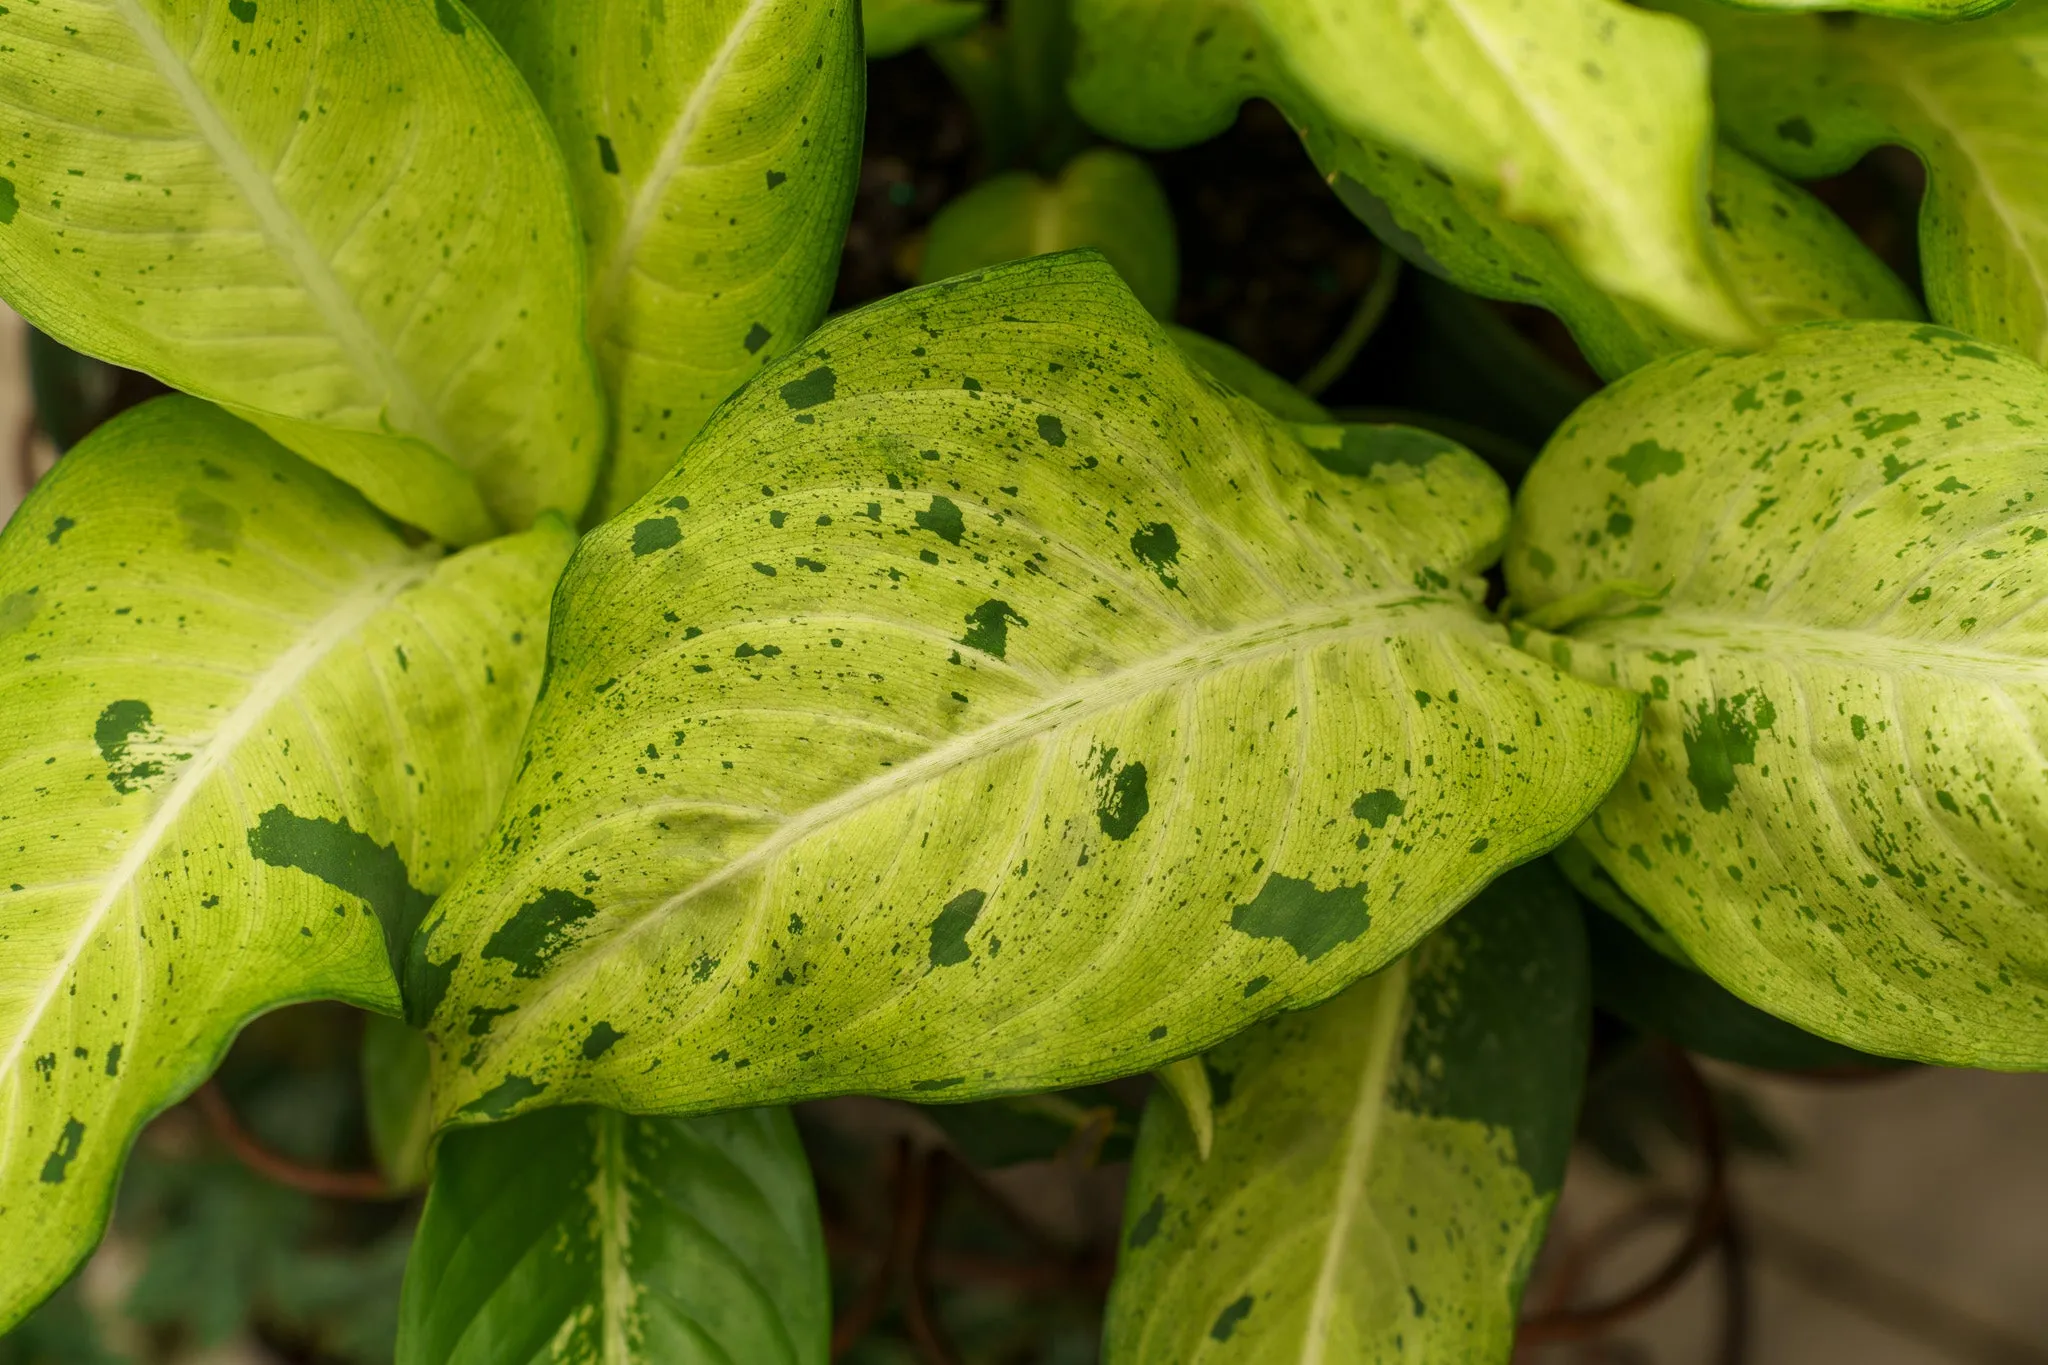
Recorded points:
(1586, 118)
(1384, 1164)
(713, 147)
(250, 732)
(1810, 95)
(380, 272)
(581, 1234)
(1239, 373)
(1787, 257)
(1822, 566)
(892, 26)
(989, 702)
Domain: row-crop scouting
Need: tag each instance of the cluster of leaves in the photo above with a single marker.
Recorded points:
(530, 624)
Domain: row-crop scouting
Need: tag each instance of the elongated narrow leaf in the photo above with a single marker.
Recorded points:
(1586, 118)
(346, 221)
(581, 1234)
(713, 146)
(1787, 257)
(1822, 564)
(1810, 95)
(249, 732)
(1939, 11)
(1384, 1164)
(990, 702)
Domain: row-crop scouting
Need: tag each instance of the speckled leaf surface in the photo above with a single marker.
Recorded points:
(346, 221)
(1787, 257)
(1823, 566)
(583, 1235)
(991, 702)
(249, 732)
(1588, 119)
(713, 147)
(1810, 96)
(1383, 1166)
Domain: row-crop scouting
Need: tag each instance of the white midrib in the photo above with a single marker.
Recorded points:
(273, 686)
(614, 1214)
(610, 288)
(359, 342)
(1364, 1124)
(1708, 631)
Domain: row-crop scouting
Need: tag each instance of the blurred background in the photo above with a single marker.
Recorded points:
(1714, 1213)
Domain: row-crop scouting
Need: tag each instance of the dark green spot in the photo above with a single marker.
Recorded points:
(1376, 807)
(1646, 460)
(65, 1151)
(450, 17)
(498, 1101)
(245, 10)
(1157, 546)
(655, 533)
(1125, 803)
(58, 528)
(602, 1036)
(988, 627)
(538, 931)
(606, 156)
(1310, 920)
(210, 524)
(1230, 1317)
(943, 520)
(1718, 742)
(1364, 447)
(8, 204)
(1796, 129)
(114, 1060)
(1050, 429)
(116, 730)
(814, 388)
(949, 930)
(946, 1084)
(757, 337)
(1147, 1226)
(348, 861)
(775, 178)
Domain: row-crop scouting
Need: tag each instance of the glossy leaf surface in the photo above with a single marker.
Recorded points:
(1822, 564)
(1384, 1164)
(1810, 96)
(991, 702)
(249, 733)
(345, 221)
(584, 1235)
(713, 148)
(1586, 118)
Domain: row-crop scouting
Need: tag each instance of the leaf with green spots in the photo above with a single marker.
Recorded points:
(1835, 612)
(1810, 95)
(713, 147)
(381, 272)
(1105, 198)
(582, 1234)
(1077, 758)
(1587, 119)
(1383, 1168)
(240, 763)
(892, 26)
(1238, 373)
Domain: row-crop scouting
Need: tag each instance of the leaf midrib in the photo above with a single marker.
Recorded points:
(367, 353)
(1712, 631)
(270, 688)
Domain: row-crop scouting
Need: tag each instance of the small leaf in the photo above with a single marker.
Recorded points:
(1384, 1165)
(1003, 667)
(713, 146)
(1187, 1080)
(1810, 96)
(1524, 104)
(1105, 198)
(380, 272)
(396, 1105)
(1839, 801)
(588, 1235)
(250, 733)
(893, 26)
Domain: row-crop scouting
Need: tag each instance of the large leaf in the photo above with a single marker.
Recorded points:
(1787, 257)
(713, 146)
(582, 1234)
(1384, 1164)
(1822, 565)
(1810, 94)
(346, 221)
(991, 702)
(248, 732)
(1587, 118)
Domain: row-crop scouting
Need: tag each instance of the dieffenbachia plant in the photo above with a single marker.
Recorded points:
(996, 690)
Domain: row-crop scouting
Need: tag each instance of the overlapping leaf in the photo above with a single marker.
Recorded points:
(1823, 566)
(1939, 11)
(345, 221)
(713, 148)
(581, 1234)
(1383, 1165)
(249, 731)
(1810, 95)
(892, 26)
(1587, 119)
(992, 702)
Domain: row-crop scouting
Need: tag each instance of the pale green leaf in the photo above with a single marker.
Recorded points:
(892, 26)
(1586, 118)
(1187, 1080)
(1105, 198)
(713, 147)
(1787, 257)
(345, 221)
(1810, 95)
(1384, 1164)
(1241, 374)
(585, 1235)
(397, 1109)
(991, 703)
(1590, 880)
(249, 732)
(1822, 566)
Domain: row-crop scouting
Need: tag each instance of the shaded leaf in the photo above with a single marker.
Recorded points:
(985, 661)
(892, 26)
(1240, 374)
(395, 1100)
